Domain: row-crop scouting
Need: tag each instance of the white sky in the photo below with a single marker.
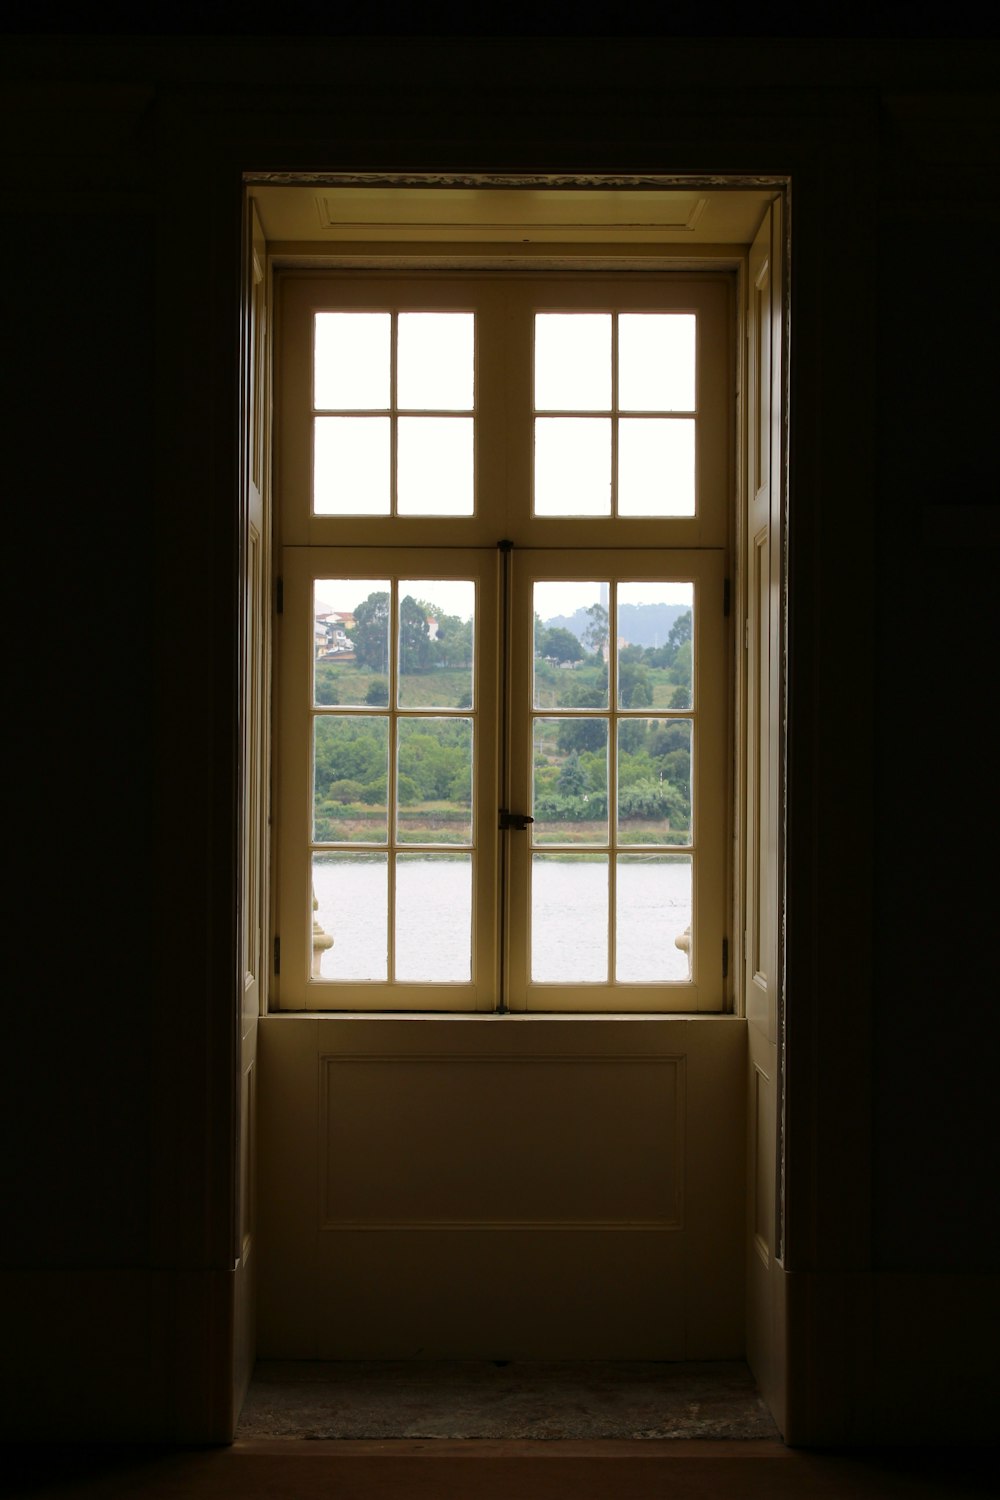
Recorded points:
(451, 595)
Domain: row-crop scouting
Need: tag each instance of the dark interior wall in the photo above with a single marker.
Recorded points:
(937, 1022)
(78, 370)
(121, 233)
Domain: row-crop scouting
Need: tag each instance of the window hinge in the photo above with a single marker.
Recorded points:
(725, 958)
(279, 596)
(277, 955)
(726, 597)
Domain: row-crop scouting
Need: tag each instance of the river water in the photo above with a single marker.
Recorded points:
(568, 919)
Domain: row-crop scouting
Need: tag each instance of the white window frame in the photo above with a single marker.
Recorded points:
(699, 546)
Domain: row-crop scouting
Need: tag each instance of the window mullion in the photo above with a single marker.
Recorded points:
(614, 416)
(612, 760)
(393, 418)
(391, 850)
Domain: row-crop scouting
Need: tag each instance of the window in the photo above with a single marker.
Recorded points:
(502, 749)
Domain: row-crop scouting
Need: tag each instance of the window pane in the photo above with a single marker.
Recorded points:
(350, 779)
(654, 629)
(572, 361)
(434, 781)
(656, 354)
(351, 466)
(435, 361)
(569, 919)
(435, 466)
(351, 361)
(572, 466)
(351, 659)
(436, 642)
(656, 466)
(654, 781)
(569, 799)
(434, 918)
(351, 896)
(570, 666)
(653, 918)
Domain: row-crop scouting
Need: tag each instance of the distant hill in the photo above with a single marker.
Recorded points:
(639, 624)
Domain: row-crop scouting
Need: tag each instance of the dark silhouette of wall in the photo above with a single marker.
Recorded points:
(121, 226)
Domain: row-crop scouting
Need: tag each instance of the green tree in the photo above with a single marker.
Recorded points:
(452, 647)
(371, 633)
(572, 782)
(634, 687)
(596, 635)
(326, 683)
(582, 734)
(559, 643)
(680, 631)
(414, 637)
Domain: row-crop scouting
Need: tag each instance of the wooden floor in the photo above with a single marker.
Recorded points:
(471, 1470)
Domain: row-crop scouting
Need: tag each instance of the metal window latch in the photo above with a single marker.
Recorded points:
(517, 821)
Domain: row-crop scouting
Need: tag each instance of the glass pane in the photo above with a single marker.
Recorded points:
(435, 361)
(351, 364)
(656, 353)
(434, 781)
(572, 361)
(572, 466)
(350, 641)
(653, 918)
(569, 781)
(351, 907)
(569, 918)
(570, 658)
(436, 642)
(434, 918)
(654, 781)
(351, 662)
(351, 466)
(656, 466)
(434, 475)
(654, 630)
(350, 779)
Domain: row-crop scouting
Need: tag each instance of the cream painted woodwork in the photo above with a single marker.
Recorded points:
(504, 305)
(763, 594)
(300, 986)
(255, 755)
(501, 1187)
(335, 210)
(704, 990)
(510, 1185)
